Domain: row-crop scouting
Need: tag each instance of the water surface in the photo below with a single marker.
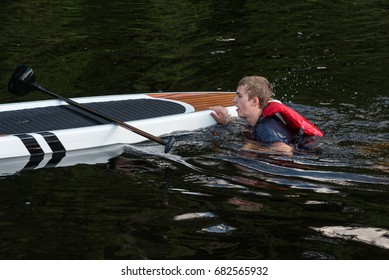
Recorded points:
(209, 198)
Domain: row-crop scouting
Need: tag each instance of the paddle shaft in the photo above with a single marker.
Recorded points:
(108, 118)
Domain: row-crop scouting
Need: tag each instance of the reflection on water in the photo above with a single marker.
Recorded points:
(245, 205)
(222, 228)
(208, 198)
(196, 215)
(374, 236)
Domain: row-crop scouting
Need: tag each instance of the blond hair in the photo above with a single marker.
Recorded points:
(258, 86)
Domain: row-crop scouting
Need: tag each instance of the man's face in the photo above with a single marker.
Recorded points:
(245, 107)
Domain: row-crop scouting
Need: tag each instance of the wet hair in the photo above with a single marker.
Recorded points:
(258, 86)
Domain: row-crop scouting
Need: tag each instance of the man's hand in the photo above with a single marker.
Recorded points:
(220, 114)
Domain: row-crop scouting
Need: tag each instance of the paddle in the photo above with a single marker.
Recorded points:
(23, 81)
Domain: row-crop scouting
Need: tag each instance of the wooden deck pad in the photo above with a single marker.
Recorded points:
(199, 100)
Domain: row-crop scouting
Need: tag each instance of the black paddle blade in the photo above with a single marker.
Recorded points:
(22, 81)
(169, 144)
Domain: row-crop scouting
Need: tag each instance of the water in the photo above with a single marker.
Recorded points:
(209, 198)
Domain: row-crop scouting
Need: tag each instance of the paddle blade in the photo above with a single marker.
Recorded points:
(169, 144)
(22, 81)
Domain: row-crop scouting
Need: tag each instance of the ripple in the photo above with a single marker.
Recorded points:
(187, 192)
(314, 255)
(342, 178)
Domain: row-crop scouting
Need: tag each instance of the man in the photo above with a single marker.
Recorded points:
(271, 122)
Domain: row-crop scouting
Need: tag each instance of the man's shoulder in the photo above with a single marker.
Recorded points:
(271, 129)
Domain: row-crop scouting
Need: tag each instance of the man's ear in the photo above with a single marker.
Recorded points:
(256, 101)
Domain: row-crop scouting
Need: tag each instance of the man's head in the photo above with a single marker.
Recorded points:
(257, 86)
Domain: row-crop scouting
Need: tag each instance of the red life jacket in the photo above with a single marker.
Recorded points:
(291, 118)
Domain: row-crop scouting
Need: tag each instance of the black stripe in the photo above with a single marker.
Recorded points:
(56, 146)
(33, 148)
(54, 143)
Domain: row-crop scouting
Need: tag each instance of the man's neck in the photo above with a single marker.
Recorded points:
(254, 118)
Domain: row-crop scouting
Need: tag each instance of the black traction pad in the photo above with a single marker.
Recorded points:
(67, 116)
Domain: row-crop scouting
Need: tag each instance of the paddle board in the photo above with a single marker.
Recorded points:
(48, 133)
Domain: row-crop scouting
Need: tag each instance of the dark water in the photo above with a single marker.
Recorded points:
(208, 198)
